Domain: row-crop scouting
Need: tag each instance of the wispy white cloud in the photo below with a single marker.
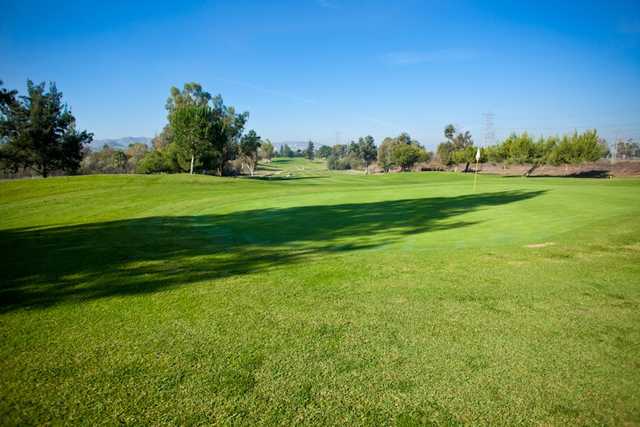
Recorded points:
(436, 56)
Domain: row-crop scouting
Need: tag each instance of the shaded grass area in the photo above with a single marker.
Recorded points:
(401, 300)
(145, 254)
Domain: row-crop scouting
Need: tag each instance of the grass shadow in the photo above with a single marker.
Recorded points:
(583, 174)
(47, 266)
(282, 177)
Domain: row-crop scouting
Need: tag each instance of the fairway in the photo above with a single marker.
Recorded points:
(317, 297)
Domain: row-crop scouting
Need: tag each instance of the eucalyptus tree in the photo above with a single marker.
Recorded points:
(191, 94)
(367, 151)
(248, 149)
(266, 150)
(202, 129)
(457, 148)
(192, 128)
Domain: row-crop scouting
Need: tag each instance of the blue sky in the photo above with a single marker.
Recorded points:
(332, 70)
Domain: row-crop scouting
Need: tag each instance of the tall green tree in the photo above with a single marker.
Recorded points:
(192, 94)
(266, 150)
(626, 149)
(385, 150)
(249, 145)
(39, 132)
(218, 137)
(458, 147)
(162, 140)
(310, 151)
(387, 158)
(407, 155)
(7, 96)
(286, 151)
(227, 131)
(367, 151)
(324, 151)
(192, 128)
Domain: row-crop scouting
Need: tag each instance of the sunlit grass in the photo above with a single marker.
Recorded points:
(334, 299)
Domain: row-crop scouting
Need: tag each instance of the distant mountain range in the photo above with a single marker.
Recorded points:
(293, 144)
(124, 142)
(296, 144)
(120, 143)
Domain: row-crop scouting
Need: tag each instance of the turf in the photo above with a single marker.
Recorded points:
(303, 296)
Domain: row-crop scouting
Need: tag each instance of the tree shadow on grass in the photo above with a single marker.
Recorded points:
(43, 267)
(282, 177)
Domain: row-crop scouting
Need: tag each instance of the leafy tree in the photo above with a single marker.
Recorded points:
(219, 138)
(310, 152)
(119, 160)
(38, 131)
(519, 149)
(367, 151)
(339, 150)
(266, 150)
(286, 151)
(386, 157)
(152, 162)
(385, 150)
(7, 96)
(627, 149)
(162, 140)
(324, 151)
(192, 94)
(457, 147)
(407, 155)
(444, 151)
(249, 145)
(135, 153)
(449, 132)
(106, 160)
(574, 148)
(228, 129)
(192, 128)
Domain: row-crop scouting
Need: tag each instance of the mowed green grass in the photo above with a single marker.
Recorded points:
(320, 298)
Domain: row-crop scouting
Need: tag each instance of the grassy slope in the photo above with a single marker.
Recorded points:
(333, 298)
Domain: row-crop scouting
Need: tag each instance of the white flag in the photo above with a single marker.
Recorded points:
(478, 155)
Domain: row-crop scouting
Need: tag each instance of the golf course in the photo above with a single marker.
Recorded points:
(308, 296)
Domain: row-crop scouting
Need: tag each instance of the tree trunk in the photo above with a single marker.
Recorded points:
(191, 168)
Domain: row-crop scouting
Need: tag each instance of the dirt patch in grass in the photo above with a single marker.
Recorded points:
(540, 245)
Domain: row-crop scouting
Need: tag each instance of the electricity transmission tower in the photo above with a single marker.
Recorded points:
(489, 130)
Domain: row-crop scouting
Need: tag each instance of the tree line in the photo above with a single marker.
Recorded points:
(38, 132)
(394, 152)
(523, 149)
(204, 135)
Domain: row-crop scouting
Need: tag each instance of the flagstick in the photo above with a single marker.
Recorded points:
(475, 177)
(475, 174)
